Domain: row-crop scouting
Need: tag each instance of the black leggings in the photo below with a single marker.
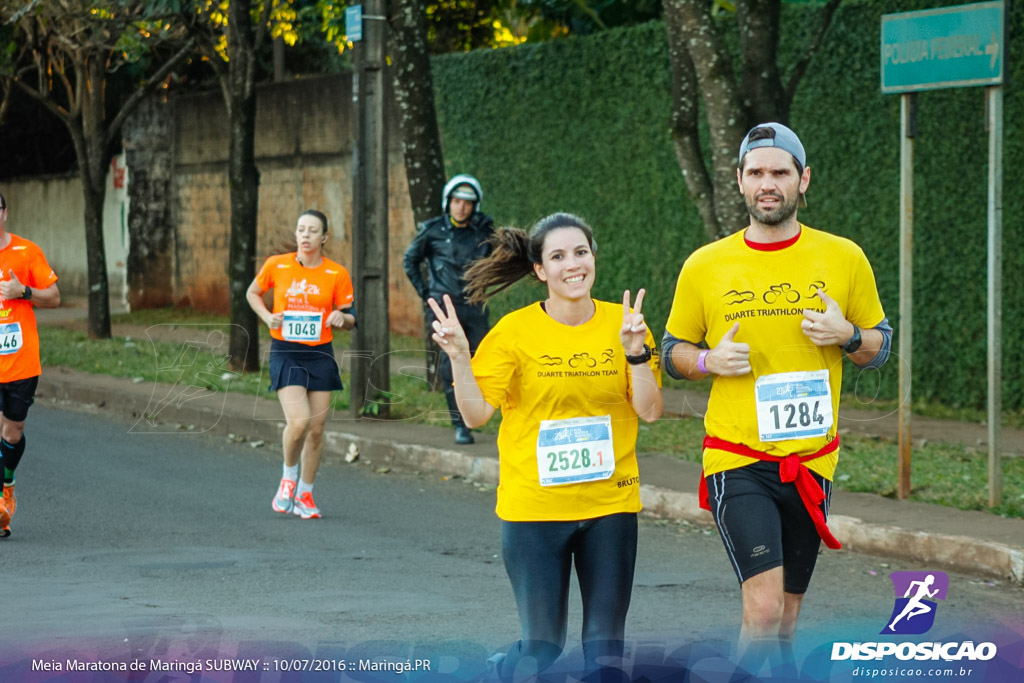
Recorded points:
(538, 558)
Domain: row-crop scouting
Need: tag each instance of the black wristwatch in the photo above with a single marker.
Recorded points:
(641, 358)
(27, 294)
(854, 342)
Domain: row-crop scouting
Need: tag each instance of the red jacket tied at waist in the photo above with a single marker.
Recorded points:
(791, 469)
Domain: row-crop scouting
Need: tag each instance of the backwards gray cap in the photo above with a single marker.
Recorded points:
(773, 135)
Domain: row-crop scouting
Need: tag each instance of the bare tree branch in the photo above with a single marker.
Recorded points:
(44, 100)
(146, 88)
(263, 27)
(5, 103)
(800, 67)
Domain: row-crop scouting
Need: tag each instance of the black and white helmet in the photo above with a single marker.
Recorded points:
(462, 186)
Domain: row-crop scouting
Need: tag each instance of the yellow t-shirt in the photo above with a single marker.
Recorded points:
(535, 368)
(766, 290)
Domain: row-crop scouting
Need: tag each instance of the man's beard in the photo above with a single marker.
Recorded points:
(780, 214)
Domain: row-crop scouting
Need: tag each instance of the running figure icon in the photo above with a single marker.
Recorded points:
(915, 606)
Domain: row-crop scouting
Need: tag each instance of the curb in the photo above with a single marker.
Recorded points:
(958, 553)
(988, 558)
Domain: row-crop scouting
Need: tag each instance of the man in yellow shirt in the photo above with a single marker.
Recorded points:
(769, 312)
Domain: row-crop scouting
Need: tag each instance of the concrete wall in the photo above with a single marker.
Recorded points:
(304, 156)
(50, 211)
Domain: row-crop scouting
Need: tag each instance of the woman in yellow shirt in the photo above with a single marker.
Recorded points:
(571, 376)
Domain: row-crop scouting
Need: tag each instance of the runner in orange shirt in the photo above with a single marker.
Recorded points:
(312, 295)
(26, 280)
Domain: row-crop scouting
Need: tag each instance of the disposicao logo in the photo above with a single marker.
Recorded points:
(913, 614)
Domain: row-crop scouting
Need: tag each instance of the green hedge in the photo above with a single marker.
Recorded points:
(582, 125)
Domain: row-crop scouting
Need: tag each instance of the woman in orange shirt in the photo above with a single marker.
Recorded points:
(312, 296)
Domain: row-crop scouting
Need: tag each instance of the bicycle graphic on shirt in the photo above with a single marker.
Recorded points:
(783, 291)
(582, 359)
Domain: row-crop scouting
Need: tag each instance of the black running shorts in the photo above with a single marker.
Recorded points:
(295, 364)
(764, 524)
(16, 397)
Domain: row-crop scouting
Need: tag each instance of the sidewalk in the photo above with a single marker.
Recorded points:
(930, 536)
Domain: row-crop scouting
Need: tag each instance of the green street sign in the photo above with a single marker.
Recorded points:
(354, 23)
(951, 47)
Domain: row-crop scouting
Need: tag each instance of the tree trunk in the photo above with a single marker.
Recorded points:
(702, 65)
(421, 139)
(764, 95)
(243, 181)
(370, 376)
(151, 231)
(96, 258)
(684, 125)
(414, 95)
(689, 23)
(92, 159)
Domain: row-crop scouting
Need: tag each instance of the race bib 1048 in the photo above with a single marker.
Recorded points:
(575, 450)
(793, 405)
(302, 325)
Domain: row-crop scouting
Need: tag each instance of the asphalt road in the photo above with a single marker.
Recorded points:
(130, 546)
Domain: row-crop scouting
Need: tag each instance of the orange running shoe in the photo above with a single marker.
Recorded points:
(305, 507)
(9, 501)
(8, 505)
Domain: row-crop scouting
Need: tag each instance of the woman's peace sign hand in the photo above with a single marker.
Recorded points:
(634, 329)
(448, 332)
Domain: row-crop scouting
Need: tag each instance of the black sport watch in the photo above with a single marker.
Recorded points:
(27, 294)
(643, 357)
(853, 343)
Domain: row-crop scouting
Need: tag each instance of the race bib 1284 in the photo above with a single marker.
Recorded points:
(793, 405)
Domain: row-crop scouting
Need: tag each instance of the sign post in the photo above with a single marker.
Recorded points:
(908, 130)
(995, 293)
(950, 47)
(370, 382)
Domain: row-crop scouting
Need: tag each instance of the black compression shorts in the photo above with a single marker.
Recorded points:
(16, 397)
(764, 524)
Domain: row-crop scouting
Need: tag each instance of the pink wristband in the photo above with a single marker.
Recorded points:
(700, 361)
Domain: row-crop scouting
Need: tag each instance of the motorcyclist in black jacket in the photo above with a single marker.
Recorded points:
(449, 243)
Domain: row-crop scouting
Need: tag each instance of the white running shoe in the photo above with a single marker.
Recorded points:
(283, 501)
